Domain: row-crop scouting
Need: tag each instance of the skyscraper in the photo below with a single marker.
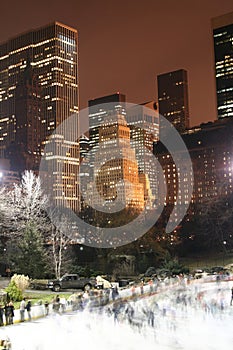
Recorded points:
(50, 54)
(116, 168)
(223, 50)
(99, 108)
(25, 150)
(143, 121)
(173, 98)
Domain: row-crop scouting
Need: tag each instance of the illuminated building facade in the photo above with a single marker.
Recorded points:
(173, 98)
(25, 151)
(212, 161)
(84, 146)
(143, 121)
(212, 164)
(115, 167)
(223, 49)
(99, 109)
(51, 55)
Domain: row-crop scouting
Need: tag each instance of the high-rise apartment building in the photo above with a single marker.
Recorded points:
(223, 51)
(173, 98)
(42, 101)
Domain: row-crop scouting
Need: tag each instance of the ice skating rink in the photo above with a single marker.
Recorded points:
(195, 317)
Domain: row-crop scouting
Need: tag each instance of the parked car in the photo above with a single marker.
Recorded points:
(72, 281)
(199, 273)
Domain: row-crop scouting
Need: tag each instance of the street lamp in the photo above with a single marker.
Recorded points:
(224, 244)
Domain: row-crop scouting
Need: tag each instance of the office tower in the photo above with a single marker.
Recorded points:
(173, 98)
(116, 168)
(223, 50)
(143, 121)
(99, 109)
(50, 55)
(25, 151)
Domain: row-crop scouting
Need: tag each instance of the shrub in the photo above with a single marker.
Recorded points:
(21, 281)
(13, 291)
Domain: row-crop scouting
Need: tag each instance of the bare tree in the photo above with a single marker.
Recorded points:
(59, 246)
(27, 213)
(23, 207)
(60, 239)
(3, 208)
(28, 203)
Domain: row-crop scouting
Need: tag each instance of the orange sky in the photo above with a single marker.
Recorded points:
(124, 44)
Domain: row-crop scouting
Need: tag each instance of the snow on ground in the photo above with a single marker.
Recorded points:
(195, 317)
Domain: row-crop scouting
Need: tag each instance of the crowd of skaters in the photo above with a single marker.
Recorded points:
(117, 297)
(176, 298)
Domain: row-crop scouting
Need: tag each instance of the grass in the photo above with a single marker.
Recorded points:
(40, 298)
(36, 296)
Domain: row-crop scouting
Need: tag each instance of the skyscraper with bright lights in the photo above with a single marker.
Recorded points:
(222, 27)
(116, 168)
(173, 98)
(50, 54)
(143, 121)
(99, 109)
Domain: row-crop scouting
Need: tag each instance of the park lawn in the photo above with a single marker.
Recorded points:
(40, 298)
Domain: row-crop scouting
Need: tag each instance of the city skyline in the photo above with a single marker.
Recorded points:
(114, 40)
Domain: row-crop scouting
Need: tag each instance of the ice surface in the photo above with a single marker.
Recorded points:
(195, 317)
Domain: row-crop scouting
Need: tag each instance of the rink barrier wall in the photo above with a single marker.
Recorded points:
(39, 311)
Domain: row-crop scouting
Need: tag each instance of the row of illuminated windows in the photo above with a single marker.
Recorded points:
(226, 72)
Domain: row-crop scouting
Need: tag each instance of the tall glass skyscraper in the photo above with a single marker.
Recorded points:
(50, 54)
(223, 50)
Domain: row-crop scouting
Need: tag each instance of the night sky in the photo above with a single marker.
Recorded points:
(125, 44)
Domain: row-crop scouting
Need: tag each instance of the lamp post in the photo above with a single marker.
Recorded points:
(225, 251)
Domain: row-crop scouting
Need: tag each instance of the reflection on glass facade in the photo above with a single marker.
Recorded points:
(52, 54)
(223, 50)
